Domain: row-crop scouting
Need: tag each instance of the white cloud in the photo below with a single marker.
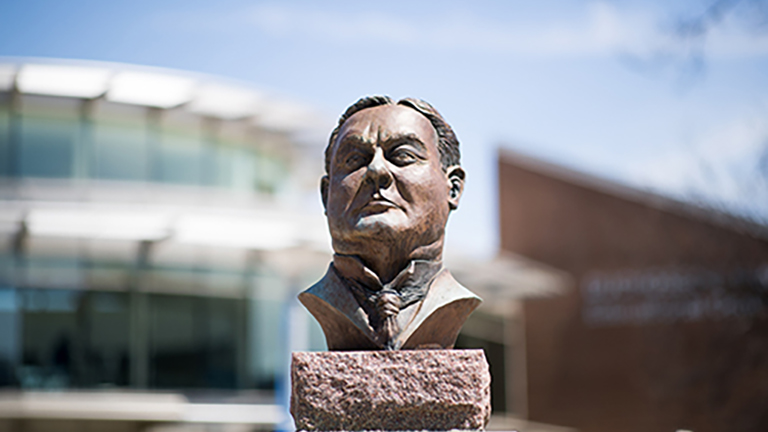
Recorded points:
(602, 29)
(733, 41)
(720, 167)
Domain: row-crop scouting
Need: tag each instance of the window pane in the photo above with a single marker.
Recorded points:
(120, 141)
(179, 152)
(192, 342)
(107, 316)
(244, 174)
(50, 128)
(5, 138)
(49, 331)
(265, 320)
(73, 339)
(9, 332)
(179, 160)
(272, 173)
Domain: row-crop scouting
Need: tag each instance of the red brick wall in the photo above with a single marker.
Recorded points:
(708, 374)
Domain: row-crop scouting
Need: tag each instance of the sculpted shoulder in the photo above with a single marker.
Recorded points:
(435, 324)
(343, 321)
(441, 315)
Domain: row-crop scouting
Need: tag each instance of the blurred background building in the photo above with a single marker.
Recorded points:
(143, 213)
(156, 227)
(666, 323)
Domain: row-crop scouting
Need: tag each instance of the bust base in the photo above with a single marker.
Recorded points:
(390, 390)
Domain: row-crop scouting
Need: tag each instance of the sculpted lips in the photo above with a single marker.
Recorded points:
(378, 203)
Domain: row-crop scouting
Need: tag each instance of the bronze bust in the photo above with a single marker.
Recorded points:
(392, 178)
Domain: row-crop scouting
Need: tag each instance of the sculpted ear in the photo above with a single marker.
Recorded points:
(456, 184)
(324, 191)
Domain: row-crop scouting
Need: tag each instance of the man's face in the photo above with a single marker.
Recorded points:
(385, 178)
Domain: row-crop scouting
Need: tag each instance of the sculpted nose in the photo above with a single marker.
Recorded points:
(378, 170)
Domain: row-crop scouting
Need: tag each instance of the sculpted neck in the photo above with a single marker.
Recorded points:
(388, 259)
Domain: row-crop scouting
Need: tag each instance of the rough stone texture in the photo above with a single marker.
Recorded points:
(390, 390)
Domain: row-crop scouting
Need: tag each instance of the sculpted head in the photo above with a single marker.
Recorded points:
(392, 178)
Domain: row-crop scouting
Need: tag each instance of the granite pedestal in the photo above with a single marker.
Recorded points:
(390, 390)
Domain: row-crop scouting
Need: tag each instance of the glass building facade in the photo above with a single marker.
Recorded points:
(68, 138)
(141, 240)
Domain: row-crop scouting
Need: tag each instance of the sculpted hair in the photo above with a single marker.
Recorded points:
(447, 143)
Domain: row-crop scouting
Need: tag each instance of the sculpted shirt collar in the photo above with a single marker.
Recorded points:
(411, 284)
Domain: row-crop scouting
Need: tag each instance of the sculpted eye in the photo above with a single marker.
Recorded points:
(403, 156)
(354, 160)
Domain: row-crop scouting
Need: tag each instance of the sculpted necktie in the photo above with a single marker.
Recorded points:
(383, 302)
(387, 305)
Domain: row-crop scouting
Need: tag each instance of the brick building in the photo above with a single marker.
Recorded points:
(665, 326)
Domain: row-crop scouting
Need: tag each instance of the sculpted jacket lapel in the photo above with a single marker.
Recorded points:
(340, 315)
(435, 323)
(446, 298)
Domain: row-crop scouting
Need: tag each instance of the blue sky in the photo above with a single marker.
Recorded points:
(600, 86)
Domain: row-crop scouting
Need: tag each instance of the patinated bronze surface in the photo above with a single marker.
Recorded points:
(392, 178)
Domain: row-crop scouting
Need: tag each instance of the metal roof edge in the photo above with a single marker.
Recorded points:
(200, 79)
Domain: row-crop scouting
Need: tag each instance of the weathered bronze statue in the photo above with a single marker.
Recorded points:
(392, 178)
